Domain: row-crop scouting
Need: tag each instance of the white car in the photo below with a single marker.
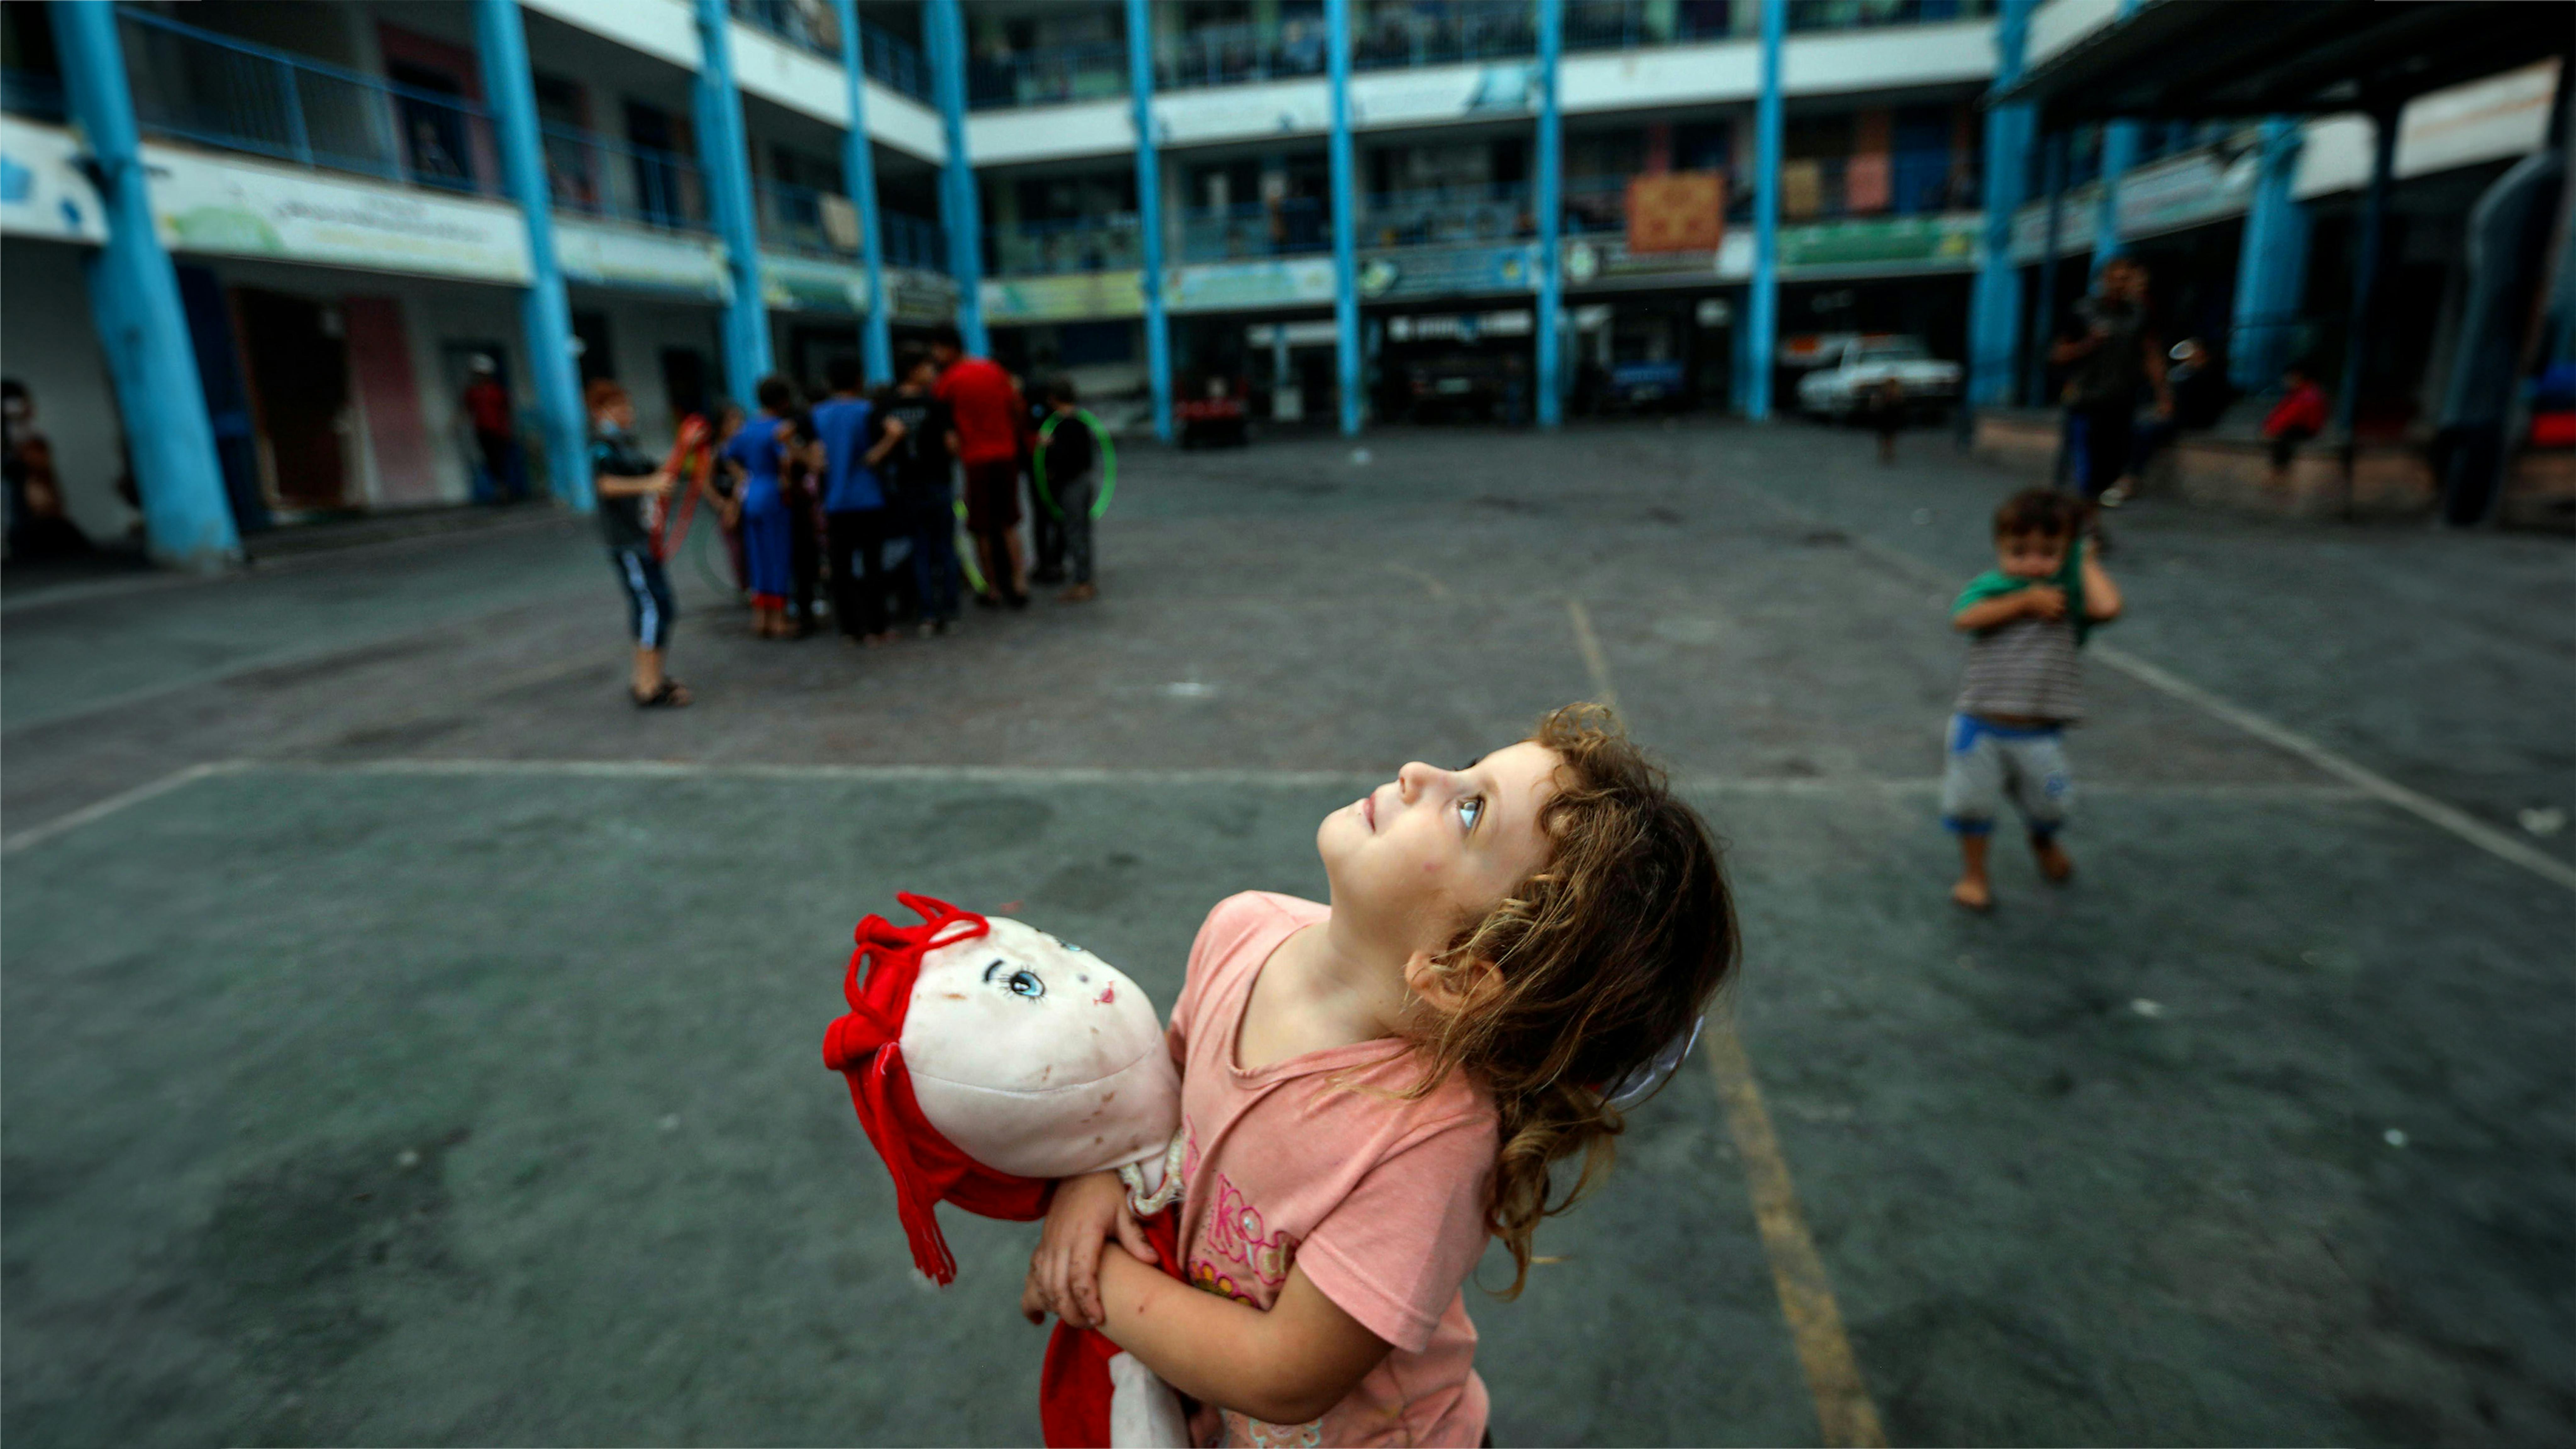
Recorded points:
(1838, 387)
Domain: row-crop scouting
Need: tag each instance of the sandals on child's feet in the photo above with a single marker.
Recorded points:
(670, 694)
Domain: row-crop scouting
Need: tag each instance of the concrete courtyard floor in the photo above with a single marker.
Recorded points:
(402, 1040)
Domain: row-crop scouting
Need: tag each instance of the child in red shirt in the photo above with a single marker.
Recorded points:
(1372, 1089)
(2297, 417)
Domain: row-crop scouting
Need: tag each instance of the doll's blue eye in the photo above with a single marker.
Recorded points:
(1022, 983)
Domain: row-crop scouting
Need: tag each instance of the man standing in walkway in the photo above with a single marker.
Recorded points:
(988, 415)
(2109, 351)
(487, 408)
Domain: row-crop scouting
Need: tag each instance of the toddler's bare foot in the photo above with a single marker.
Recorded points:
(2054, 862)
(1973, 894)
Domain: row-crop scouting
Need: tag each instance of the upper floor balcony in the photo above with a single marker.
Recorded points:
(1106, 243)
(197, 86)
(1293, 42)
(888, 59)
(593, 175)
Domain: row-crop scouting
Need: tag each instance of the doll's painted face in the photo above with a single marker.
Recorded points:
(1036, 1057)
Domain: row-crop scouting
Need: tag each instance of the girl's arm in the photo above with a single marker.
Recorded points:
(2101, 596)
(1285, 1366)
(628, 485)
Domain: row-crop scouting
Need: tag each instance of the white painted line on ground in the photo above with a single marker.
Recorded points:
(1050, 775)
(1845, 1416)
(100, 810)
(2414, 802)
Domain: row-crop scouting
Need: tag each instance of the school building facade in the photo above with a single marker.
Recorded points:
(253, 249)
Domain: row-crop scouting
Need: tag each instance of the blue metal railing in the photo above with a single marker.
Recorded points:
(1078, 244)
(1440, 32)
(1897, 183)
(914, 241)
(805, 220)
(1294, 226)
(596, 176)
(892, 60)
(1223, 55)
(194, 85)
(26, 93)
(1446, 214)
(1632, 24)
(1868, 14)
(1047, 77)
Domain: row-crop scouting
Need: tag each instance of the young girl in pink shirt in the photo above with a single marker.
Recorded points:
(1372, 1089)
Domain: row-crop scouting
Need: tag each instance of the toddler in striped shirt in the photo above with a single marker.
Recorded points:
(2025, 619)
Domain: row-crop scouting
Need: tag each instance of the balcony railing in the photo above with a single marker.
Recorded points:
(593, 175)
(1221, 55)
(1446, 214)
(914, 241)
(1632, 24)
(1867, 14)
(1898, 183)
(26, 93)
(1047, 77)
(1081, 244)
(1294, 226)
(892, 60)
(194, 85)
(806, 221)
(1391, 36)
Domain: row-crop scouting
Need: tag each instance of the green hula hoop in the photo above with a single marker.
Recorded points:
(964, 546)
(1108, 462)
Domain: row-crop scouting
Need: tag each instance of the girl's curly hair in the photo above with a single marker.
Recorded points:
(1601, 959)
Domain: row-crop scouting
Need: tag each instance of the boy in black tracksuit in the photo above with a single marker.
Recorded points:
(1073, 482)
(911, 443)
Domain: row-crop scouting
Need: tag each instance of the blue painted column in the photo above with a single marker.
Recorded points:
(2271, 264)
(1346, 281)
(1551, 187)
(1994, 325)
(944, 31)
(2053, 178)
(1763, 302)
(723, 152)
(2119, 153)
(134, 302)
(859, 167)
(1149, 210)
(545, 309)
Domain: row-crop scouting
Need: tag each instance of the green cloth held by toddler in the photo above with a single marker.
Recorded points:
(1995, 583)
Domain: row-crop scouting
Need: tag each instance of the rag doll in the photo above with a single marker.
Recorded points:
(988, 1059)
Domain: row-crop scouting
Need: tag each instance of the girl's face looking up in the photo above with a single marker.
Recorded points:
(1415, 859)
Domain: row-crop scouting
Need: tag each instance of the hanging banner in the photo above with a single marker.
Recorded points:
(41, 192)
(1073, 297)
(621, 256)
(1463, 271)
(208, 205)
(1940, 242)
(1678, 211)
(1227, 286)
(803, 284)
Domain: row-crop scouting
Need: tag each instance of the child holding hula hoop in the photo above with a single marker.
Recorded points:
(1074, 468)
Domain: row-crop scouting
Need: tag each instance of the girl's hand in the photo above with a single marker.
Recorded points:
(1064, 1272)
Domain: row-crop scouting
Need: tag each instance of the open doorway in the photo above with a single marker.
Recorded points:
(299, 377)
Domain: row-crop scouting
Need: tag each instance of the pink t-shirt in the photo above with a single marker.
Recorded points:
(1379, 1199)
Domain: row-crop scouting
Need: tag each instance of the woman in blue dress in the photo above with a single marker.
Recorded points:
(753, 457)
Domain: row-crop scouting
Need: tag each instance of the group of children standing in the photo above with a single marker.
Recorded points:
(805, 494)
